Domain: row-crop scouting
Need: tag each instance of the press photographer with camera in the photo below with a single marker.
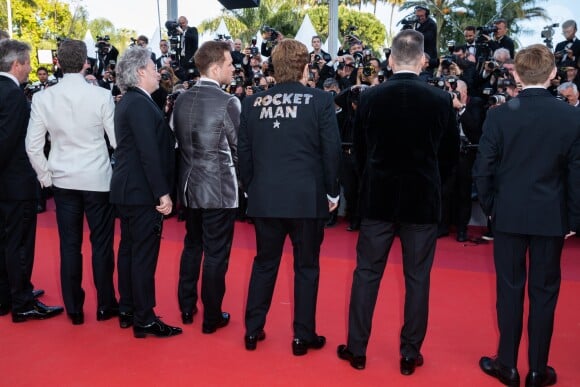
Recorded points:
(569, 91)
(189, 42)
(165, 57)
(500, 38)
(569, 49)
(270, 37)
(106, 54)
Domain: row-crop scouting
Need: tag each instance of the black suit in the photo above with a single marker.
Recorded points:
(289, 150)
(573, 45)
(527, 174)
(18, 195)
(400, 186)
(191, 42)
(504, 42)
(429, 31)
(143, 173)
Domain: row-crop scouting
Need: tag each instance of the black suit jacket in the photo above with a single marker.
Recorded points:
(145, 154)
(429, 31)
(505, 42)
(574, 46)
(472, 119)
(288, 152)
(405, 133)
(191, 41)
(17, 178)
(527, 169)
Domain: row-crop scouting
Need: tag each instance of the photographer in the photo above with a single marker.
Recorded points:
(422, 23)
(318, 55)
(106, 55)
(270, 37)
(569, 91)
(500, 39)
(569, 49)
(108, 81)
(143, 41)
(493, 69)
(189, 42)
(470, 116)
(237, 54)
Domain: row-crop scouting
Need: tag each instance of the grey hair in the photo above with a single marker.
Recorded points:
(568, 85)
(131, 62)
(568, 24)
(13, 50)
(501, 54)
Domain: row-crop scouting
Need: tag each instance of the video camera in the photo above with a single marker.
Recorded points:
(271, 35)
(409, 22)
(484, 33)
(548, 34)
(223, 38)
(173, 28)
(103, 44)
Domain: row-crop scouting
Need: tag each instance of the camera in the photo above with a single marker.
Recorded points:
(103, 44)
(165, 77)
(409, 22)
(223, 38)
(358, 59)
(487, 30)
(254, 51)
(316, 58)
(497, 99)
(172, 27)
(381, 76)
(548, 34)
(448, 60)
(273, 38)
(387, 52)
(506, 82)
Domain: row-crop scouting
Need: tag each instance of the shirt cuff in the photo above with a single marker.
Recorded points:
(333, 200)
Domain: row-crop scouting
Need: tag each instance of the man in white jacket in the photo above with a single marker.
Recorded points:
(77, 116)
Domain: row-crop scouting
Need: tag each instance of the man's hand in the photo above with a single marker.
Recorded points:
(571, 233)
(332, 206)
(165, 205)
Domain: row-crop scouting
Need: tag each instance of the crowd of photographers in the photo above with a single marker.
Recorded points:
(478, 73)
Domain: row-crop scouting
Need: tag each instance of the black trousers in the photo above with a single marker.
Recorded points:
(373, 246)
(209, 233)
(462, 193)
(349, 180)
(17, 240)
(141, 228)
(544, 278)
(71, 207)
(306, 236)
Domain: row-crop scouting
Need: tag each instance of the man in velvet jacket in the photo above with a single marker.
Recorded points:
(399, 154)
(289, 149)
(527, 173)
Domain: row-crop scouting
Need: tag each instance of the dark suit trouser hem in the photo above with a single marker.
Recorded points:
(209, 232)
(71, 207)
(306, 236)
(544, 278)
(17, 242)
(374, 243)
(141, 228)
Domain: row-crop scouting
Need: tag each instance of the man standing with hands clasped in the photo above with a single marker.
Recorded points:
(527, 174)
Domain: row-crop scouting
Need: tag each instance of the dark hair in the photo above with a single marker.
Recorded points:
(422, 8)
(407, 47)
(209, 53)
(72, 55)
(42, 68)
(470, 28)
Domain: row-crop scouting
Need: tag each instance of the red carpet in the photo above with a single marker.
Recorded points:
(461, 328)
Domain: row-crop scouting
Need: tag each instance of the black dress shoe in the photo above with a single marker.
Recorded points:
(37, 293)
(408, 364)
(357, 362)
(541, 379)
(77, 318)
(125, 319)
(187, 317)
(38, 311)
(156, 328)
(461, 236)
(107, 314)
(252, 340)
(207, 328)
(353, 226)
(300, 347)
(492, 367)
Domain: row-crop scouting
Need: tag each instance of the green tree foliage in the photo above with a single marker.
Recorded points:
(369, 29)
(284, 16)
